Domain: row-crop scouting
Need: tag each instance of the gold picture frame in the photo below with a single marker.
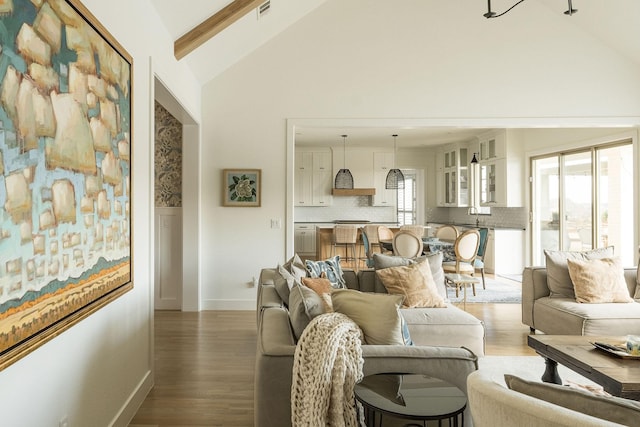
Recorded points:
(65, 229)
(241, 187)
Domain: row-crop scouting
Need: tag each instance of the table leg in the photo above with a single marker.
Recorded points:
(464, 296)
(551, 372)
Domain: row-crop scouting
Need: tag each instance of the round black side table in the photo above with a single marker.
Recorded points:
(412, 397)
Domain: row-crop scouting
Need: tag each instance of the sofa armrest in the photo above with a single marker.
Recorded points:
(452, 364)
(534, 286)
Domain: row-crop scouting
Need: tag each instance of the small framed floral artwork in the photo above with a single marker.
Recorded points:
(241, 187)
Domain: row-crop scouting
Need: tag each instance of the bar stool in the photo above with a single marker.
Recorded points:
(346, 236)
(372, 234)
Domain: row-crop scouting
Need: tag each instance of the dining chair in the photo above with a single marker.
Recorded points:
(466, 250)
(384, 233)
(366, 244)
(347, 237)
(447, 232)
(406, 244)
(372, 235)
(478, 263)
(418, 230)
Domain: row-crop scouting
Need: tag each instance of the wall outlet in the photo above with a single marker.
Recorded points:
(255, 281)
(276, 223)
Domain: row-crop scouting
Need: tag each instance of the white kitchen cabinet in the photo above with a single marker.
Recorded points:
(322, 179)
(492, 146)
(313, 178)
(454, 176)
(505, 252)
(382, 163)
(501, 170)
(303, 180)
(305, 240)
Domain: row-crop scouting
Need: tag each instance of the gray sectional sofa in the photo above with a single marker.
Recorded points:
(559, 315)
(447, 344)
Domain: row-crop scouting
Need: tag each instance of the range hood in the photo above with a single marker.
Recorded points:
(353, 192)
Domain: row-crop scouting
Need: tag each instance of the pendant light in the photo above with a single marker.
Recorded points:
(344, 179)
(395, 177)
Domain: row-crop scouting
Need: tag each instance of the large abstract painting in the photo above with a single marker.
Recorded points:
(65, 170)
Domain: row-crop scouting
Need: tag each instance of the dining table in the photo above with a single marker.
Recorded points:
(429, 244)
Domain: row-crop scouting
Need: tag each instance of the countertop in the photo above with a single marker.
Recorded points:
(490, 227)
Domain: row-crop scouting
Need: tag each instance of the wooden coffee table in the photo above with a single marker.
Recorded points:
(619, 377)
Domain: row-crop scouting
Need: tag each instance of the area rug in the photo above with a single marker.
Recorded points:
(496, 292)
(528, 367)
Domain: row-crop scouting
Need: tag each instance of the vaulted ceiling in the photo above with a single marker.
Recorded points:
(615, 22)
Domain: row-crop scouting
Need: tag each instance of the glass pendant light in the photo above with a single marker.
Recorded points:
(344, 179)
(395, 177)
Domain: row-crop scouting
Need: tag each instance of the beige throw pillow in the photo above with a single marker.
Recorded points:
(599, 280)
(558, 278)
(376, 314)
(415, 282)
(614, 409)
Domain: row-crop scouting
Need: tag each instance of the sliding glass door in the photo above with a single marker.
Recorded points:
(583, 200)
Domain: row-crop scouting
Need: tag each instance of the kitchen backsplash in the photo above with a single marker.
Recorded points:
(356, 208)
(502, 217)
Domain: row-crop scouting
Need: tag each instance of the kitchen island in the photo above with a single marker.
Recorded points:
(324, 244)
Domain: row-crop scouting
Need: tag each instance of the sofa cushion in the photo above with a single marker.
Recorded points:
(598, 280)
(558, 278)
(414, 282)
(376, 314)
(296, 267)
(304, 305)
(614, 409)
(283, 282)
(330, 267)
(565, 316)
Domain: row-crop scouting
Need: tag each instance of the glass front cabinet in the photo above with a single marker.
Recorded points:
(455, 176)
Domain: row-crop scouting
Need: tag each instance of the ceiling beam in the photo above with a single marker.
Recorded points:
(212, 26)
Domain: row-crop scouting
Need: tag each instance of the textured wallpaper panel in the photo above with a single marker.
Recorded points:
(168, 159)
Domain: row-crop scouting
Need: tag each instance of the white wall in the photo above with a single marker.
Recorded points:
(433, 60)
(96, 372)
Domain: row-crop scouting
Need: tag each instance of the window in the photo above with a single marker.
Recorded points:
(407, 203)
(583, 200)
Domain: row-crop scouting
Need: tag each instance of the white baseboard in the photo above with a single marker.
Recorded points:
(228, 304)
(133, 403)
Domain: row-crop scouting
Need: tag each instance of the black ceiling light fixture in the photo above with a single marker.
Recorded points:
(395, 177)
(344, 179)
(492, 14)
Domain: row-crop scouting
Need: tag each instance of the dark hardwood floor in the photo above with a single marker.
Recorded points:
(204, 363)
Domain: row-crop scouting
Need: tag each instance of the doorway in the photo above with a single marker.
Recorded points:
(176, 197)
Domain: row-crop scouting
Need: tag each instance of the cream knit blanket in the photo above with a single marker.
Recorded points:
(326, 366)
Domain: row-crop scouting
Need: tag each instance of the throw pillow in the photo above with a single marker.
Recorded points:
(599, 280)
(381, 261)
(414, 282)
(304, 305)
(435, 263)
(558, 278)
(331, 267)
(614, 409)
(376, 314)
(296, 267)
(321, 286)
(283, 282)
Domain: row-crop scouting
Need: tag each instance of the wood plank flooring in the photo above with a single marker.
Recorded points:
(204, 363)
